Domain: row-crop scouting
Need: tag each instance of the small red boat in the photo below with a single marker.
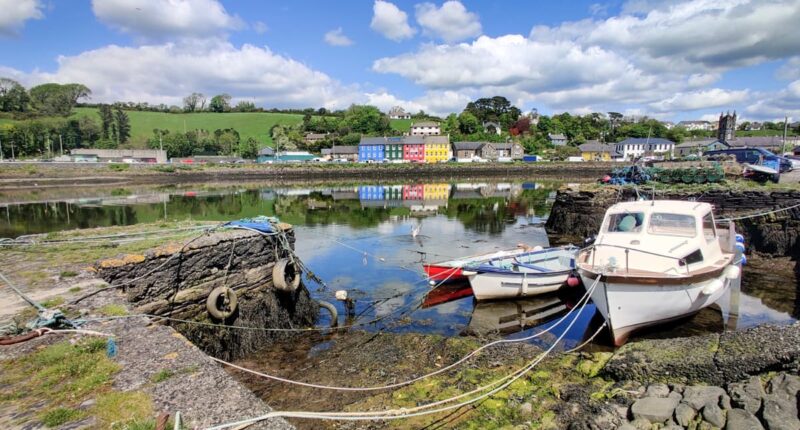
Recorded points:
(447, 271)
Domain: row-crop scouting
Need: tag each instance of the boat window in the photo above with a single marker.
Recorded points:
(672, 225)
(628, 222)
(709, 230)
(695, 257)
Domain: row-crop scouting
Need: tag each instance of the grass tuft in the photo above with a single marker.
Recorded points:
(113, 310)
(162, 376)
(53, 302)
(69, 274)
(123, 410)
(60, 416)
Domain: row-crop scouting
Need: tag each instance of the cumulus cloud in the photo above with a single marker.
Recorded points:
(790, 70)
(161, 19)
(260, 27)
(779, 104)
(390, 21)
(337, 38)
(166, 73)
(451, 22)
(16, 12)
(705, 99)
(434, 102)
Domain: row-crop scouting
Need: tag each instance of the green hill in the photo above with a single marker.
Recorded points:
(401, 125)
(248, 124)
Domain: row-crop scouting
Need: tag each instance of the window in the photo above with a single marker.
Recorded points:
(625, 222)
(709, 229)
(672, 225)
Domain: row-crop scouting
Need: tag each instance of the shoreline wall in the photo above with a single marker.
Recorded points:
(178, 287)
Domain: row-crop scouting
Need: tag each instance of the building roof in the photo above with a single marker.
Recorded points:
(118, 153)
(326, 151)
(266, 151)
(315, 135)
(413, 140)
(468, 146)
(698, 143)
(700, 122)
(344, 149)
(504, 145)
(397, 110)
(436, 139)
(756, 141)
(644, 141)
(595, 146)
(380, 140)
(556, 136)
(425, 124)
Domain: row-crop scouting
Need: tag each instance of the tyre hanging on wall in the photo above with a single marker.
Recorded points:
(222, 302)
(286, 275)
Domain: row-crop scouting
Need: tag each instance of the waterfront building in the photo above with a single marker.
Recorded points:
(437, 149)
(635, 147)
(593, 150)
(372, 149)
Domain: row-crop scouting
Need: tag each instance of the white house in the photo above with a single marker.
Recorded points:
(633, 148)
(696, 125)
(425, 128)
(557, 139)
(398, 112)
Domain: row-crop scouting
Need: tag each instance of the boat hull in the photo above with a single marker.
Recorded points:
(630, 306)
(440, 273)
(451, 271)
(496, 286)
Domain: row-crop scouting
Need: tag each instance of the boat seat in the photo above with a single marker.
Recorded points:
(531, 266)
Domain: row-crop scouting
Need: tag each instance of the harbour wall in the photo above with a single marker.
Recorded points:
(577, 214)
(175, 281)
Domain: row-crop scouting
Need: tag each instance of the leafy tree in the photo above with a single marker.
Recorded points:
(468, 123)
(244, 106)
(13, 97)
(123, 125)
(220, 103)
(450, 124)
(90, 131)
(496, 109)
(193, 101)
(57, 99)
(366, 119)
(106, 119)
(248, 149)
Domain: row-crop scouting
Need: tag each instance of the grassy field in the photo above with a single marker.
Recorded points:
(401, 125)
(248, 124)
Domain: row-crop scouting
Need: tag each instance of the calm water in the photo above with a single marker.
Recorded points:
(358, 238)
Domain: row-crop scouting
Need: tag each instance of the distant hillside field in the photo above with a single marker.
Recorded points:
(401, 125)
(248, 124)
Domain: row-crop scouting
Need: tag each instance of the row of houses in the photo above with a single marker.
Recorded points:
(429, 149)
(634, 148)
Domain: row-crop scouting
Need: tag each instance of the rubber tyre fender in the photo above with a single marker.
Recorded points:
(285, 276)
(213, 299)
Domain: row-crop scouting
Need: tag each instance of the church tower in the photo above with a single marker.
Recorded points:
(727, 127)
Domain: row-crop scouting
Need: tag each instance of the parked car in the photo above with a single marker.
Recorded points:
(752, 156)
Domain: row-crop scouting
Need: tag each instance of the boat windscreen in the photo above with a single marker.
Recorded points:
(672, 225)
(626, 222)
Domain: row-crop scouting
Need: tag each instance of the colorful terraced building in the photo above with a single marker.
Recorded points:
(418, 149)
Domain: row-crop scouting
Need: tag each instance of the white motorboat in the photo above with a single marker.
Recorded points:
(657, 261)
(522, 275)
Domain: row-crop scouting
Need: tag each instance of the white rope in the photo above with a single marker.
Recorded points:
(760, 214)
(580, 303)
(416, 411)
(599, 329)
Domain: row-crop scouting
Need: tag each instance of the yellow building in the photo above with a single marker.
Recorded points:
(436, 191)
(595, 151)
(437, 148)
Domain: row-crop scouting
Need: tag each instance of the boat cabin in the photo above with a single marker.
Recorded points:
(664, 237)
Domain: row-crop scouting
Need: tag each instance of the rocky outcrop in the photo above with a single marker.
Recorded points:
(578, 213)
(717, 358)
(712, 407)
(175, 281)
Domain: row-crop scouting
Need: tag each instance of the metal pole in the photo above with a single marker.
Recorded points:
(1, 149)
(61, 144)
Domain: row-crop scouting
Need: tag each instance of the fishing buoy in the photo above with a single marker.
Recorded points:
(573, 281)
(341, 295)
(537, 248)
(732, 272)
(228, 306)
(285, 275)
(744, 259)
(739, 238)
(739, 246)
(713, 286)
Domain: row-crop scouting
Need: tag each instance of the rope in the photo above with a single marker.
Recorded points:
(19, 292)
(599, 329)
(419, 378)
(760, 214)
(416, 411)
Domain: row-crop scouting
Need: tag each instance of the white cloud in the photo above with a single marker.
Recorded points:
(790, 70)
(260, 27)
(771, 106)
(390, 21)
(439, 103)
(161, 19)
(705, 99)
(166, 73)
(451, 22)
(337, 38)
(16, 12)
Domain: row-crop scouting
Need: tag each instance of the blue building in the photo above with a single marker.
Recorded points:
(372, 149)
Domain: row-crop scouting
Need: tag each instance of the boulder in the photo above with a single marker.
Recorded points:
(684, 414)
(654, 409)
(657, 390)
(780, 403)
(698, 396)
(740, 419)
(714, 415)
(747, 395)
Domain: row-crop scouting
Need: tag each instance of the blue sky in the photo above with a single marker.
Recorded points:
(673, 60)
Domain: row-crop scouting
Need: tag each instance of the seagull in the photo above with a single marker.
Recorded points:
(415, 229)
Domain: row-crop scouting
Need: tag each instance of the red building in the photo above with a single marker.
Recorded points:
(413, 192)
(414, 149)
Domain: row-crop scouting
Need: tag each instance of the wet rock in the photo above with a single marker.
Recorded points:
(684, 414)
(654, 409)
(747, 395)
(780, 403)
(740, 419)
(758, 350)
(714, 415)
(698, 396)
(784, 385)
(657, 390)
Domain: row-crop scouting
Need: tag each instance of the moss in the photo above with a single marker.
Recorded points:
(113, 310)
(53, 302)
(162, 376)
(60, 416)
(68, 274)
(74, 289)
(117, 410)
